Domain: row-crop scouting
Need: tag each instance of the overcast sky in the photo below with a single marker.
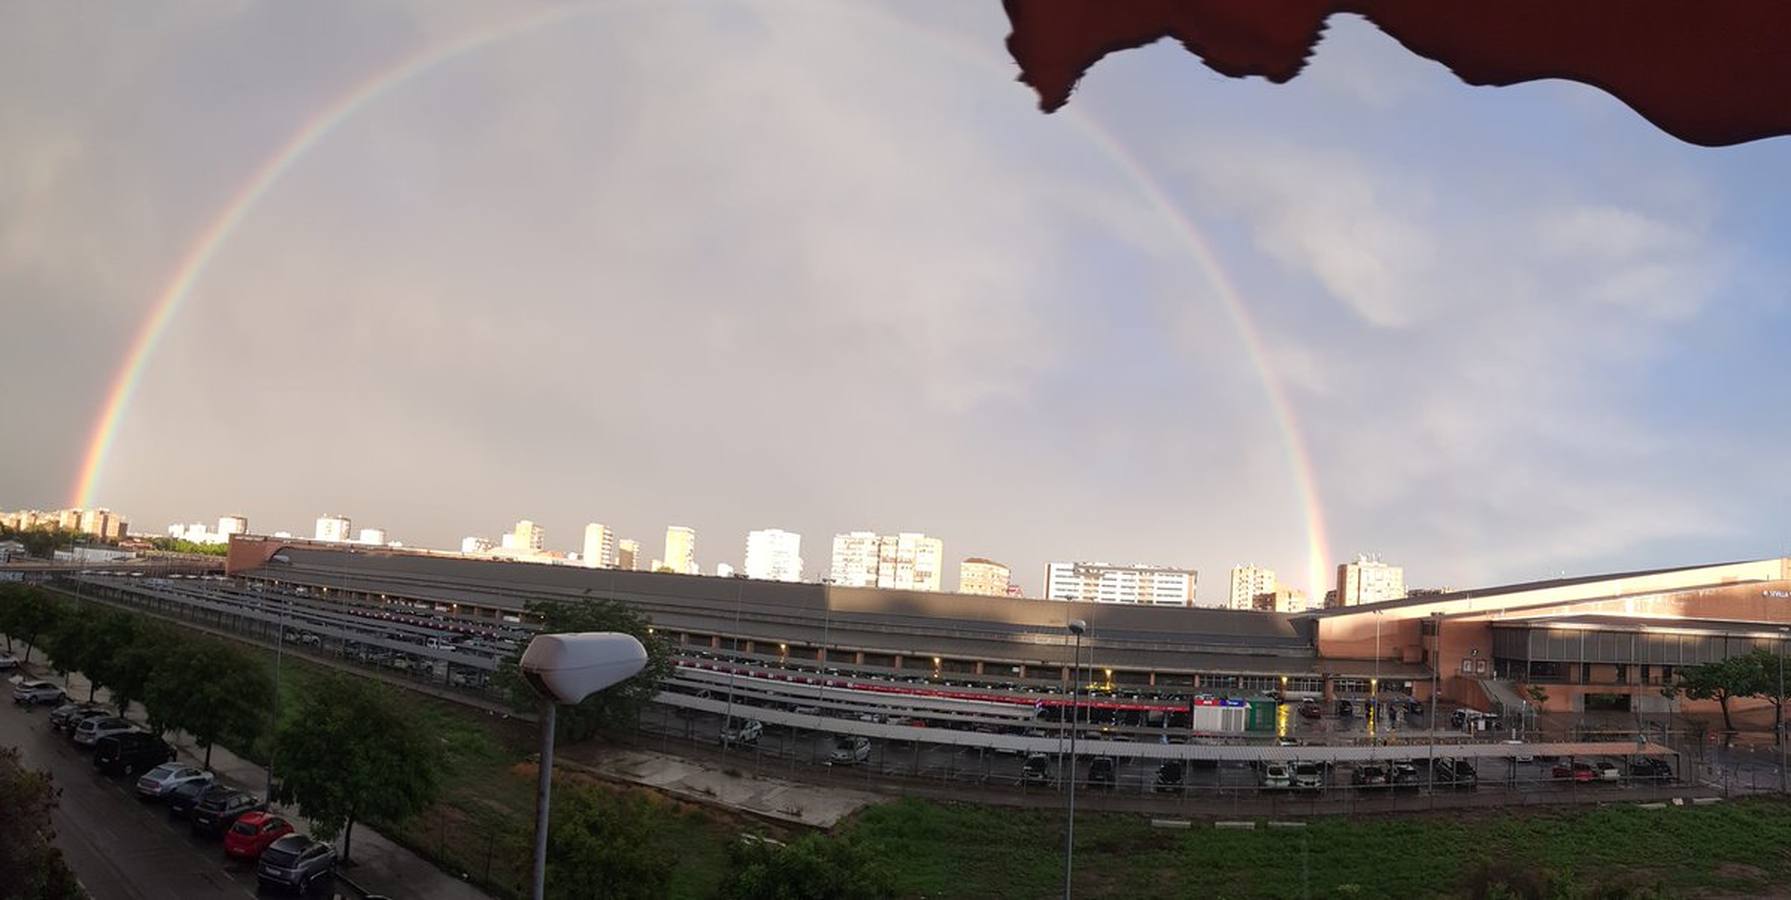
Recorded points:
(768, 264)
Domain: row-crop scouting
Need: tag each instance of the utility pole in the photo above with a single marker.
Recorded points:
(1077, 627)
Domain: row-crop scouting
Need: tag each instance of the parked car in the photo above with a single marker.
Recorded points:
(1036, 769)
(91, 730)
(1520, 755)
(159, 782)
(1170, 776)
(219, 808)
(253, 832)
(1276, 776)
(850, 750)
(295, 862)
(1578, 771)
(1652, 768)
(1369, 775)
(181, 798)
(1413, 707)
(8, 662)
(1310, 710)
(1606, 771)
(738, 732)
(1308, 776)
(1455, 773)
(61, 715)
(72, 723)
(1404, 774)
(32, 692)
(130, 752)
(1345, 709)
(1103, 772)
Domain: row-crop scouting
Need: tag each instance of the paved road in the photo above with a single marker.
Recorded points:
(119, 846)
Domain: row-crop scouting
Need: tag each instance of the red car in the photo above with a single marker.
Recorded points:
(1578, 771)
(252, 833)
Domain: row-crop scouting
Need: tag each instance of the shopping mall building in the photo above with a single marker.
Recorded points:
(1608, 641)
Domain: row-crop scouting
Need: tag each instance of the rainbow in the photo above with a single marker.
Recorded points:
(314, 130)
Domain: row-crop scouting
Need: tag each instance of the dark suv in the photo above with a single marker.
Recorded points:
(295, 862)
(1103, 772)
(1455, 773)
(130, 753)
(219, 808)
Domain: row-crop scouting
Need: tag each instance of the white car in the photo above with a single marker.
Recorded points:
(1276, 775)
(157, 782)
(1606, 771)
(89, 732)
(747, 732)
(31, 693)
(8, 662)
(850, 750)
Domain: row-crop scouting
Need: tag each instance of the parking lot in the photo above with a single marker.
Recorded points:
(118, 845)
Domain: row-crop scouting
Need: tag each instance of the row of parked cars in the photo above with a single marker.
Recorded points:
(283, 858)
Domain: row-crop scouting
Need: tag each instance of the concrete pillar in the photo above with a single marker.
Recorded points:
(1328, 690)
(979, 667)
(896, 663)
(715, 642)
(1022, 672)
(748, 647)
(858, 658)
(1153, 678)
(820, 654)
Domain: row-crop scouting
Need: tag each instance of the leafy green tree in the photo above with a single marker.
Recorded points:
(212, 691)
(179, 545)
(814, 867)
(30, 864)
(70, 644)
(604, 844)
(41, 542)
(28, 614)
(615, 707)
(1722, 681)
(110, 637)
(130, 670)
(352, 750)
(1771, 685)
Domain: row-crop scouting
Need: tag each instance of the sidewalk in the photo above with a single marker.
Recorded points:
(379, 866)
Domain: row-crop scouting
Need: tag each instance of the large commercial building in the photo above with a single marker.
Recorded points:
(854, 560)
(334, 529)
(375, 536)
(910, 561)
(229, 525)
(1140, 585)
(1368, 580)
(680, 550)
(983, 577)
(1248, 583)
(773, 554)
(1595, 642)
(628, 554)
(600, 547)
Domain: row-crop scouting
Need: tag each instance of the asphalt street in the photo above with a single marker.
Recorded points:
(119, 846)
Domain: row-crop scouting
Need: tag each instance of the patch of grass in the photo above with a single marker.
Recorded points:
(949, 850)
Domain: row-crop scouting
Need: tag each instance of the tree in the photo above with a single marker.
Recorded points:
(1722, 681)
(814, 867)
(30, 864)
(351, 750)
(70, 644)
(604, 844)
(111, 636)
(28, 614)
(212, 691)
(1767, 662)
(613, 707)
(129, 672)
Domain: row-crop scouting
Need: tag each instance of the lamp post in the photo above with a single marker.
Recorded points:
(279, 646)
(567, 668)
(1077, 627)
(1778, 715)
(1436, 665)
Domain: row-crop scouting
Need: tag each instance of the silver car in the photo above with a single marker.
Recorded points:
(157, 782)
(89, 732)
(295, 862)
(33, 693)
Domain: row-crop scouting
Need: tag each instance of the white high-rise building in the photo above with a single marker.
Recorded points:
(1096, 582)
(680, 550)
(773, 554)
(855, 559)
(907, 561)
(333, 528)
(1247, 583)
(983, 577)
(723, 570)
(1368, 580)
(910, 561)
(600, 547)
(229, 525)
(374, 536)
(628, 555)
(528, 537)
(472, 545)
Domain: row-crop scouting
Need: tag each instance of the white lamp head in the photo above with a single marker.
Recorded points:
(570, 667)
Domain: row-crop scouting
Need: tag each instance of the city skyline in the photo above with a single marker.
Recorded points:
(1357, 311)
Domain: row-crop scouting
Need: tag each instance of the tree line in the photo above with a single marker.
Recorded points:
(1757, 673)
(344, 749)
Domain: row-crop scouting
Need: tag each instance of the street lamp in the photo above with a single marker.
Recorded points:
(567, 668)
(1077, 627)
(1778, 716)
